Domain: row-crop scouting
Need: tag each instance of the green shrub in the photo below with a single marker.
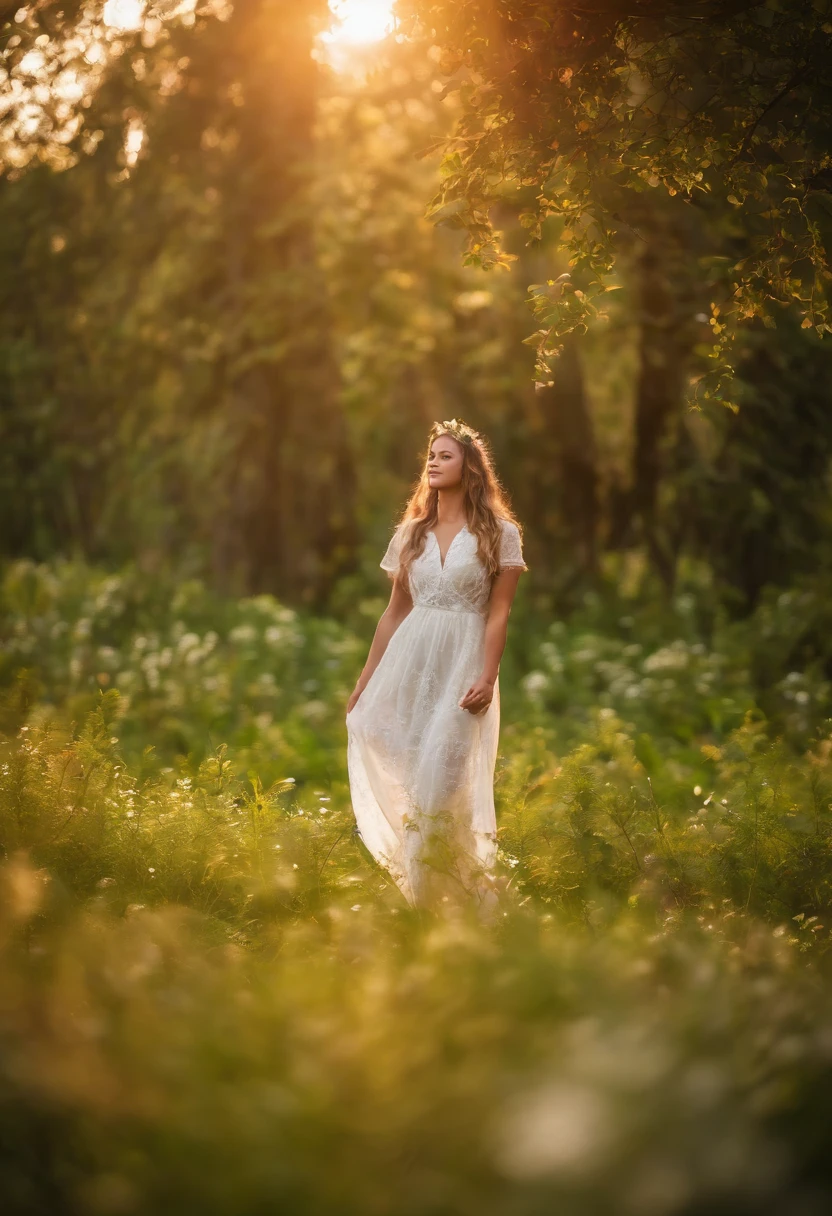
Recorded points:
(362, 1062)
(212, 1000)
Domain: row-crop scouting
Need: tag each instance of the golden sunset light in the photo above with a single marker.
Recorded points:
(415, 583)
(358, 22)
(124, 14)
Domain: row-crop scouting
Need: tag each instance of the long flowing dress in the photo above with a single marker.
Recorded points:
(421, 769)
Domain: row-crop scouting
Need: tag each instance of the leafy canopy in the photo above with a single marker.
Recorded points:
(584, 112)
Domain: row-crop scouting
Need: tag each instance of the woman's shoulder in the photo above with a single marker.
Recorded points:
(511, 545)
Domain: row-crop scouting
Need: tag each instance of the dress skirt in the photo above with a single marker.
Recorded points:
(421, 769)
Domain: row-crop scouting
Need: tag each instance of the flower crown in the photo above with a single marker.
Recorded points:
(457, 428)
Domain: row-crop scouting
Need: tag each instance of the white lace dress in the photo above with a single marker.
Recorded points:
(421, 769)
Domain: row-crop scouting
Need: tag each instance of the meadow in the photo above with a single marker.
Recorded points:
(213, 1001)
(246, 261)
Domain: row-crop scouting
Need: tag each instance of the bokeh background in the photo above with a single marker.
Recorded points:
(248, 254)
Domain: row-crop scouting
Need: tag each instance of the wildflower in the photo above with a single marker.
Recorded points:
(535, 683)
(242, 633)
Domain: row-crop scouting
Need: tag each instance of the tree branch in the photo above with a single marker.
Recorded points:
(787, 88)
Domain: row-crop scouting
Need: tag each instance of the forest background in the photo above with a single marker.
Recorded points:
(240, 279)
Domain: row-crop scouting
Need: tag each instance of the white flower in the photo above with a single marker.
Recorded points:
(671, 657)
(242, 633)
(535, 683)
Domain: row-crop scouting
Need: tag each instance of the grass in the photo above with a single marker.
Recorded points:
(211, 1000)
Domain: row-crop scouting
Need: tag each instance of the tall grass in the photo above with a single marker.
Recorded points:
(212, 1000)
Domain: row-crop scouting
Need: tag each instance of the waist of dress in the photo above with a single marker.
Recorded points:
(447, 608)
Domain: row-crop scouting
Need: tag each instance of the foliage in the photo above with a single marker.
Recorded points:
(580, 114)
(165, 358)
(589, 830)
(189, 692)
(207, 987)
(192, 306)
(650, 1070)
(754, 501)
(671, 1071)
(238, 851)
(193, 671)
(615, 817)
(204, 993)
(216, 263)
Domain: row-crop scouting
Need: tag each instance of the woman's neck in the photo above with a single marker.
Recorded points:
(450, 507)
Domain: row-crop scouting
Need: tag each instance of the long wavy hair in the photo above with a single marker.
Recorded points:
(486, 502)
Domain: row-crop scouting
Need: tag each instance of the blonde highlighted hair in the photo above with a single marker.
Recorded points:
(485, 501)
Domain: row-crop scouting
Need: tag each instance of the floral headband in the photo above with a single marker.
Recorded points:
(457, 428)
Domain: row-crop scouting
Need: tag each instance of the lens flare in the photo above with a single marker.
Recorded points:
(359, 22)
(124, 14)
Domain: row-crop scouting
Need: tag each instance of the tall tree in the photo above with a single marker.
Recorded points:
(572, 110)
(185, 235)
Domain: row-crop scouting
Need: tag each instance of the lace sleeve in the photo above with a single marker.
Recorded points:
(390, 561)
(511, 550)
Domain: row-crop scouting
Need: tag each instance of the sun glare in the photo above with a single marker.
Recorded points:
(124, 14)
(358, 22)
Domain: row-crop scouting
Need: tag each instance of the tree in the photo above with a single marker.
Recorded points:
(172, 250)
(723, 106)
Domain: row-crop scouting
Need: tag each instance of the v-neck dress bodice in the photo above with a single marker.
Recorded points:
(462, 583)
(442, 560)
(421, 768)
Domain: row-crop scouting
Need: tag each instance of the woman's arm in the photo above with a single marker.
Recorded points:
(479, 695)
(389, 621)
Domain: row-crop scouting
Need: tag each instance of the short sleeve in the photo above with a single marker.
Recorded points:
(390, 561)
(511, 550)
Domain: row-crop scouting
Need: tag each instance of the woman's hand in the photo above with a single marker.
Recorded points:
(356, 693)
(478, 697)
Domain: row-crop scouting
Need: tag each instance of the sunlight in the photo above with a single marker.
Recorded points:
(359, 22)
(133, 141)
(124, 14)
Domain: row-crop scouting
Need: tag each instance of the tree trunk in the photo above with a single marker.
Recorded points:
(291, 488)
(568, 428)
(634, 511)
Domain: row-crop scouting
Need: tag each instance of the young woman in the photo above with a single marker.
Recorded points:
(424, 718)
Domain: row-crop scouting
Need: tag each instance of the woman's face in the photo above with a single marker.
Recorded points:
(445, 463)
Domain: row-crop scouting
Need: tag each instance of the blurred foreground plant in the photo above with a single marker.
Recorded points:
(211, 1000)
(362, 1062)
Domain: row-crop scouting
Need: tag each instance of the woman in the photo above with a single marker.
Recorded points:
(424, 718)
